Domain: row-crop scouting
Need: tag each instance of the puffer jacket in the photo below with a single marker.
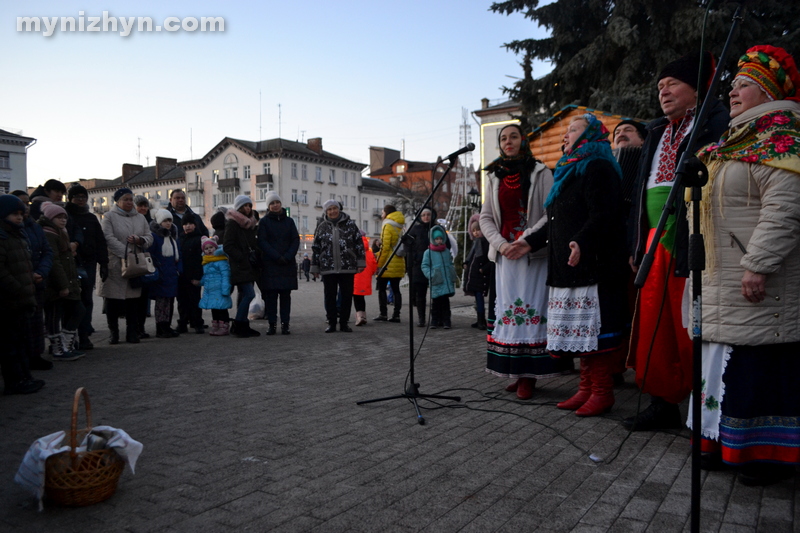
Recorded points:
(491, 221)
(117, 226)
(756, 221)
(239, 240)
(216, 281)
(338, 247)
(93, 249)
(41, 253)
(438, 267)
(362, 283)
(64, 273)
(17, 291)
(169, 267)
(390, 235)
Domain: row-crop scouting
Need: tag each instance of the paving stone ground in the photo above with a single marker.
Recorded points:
(264, 434)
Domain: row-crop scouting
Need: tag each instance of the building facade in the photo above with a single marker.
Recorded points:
(14, 161)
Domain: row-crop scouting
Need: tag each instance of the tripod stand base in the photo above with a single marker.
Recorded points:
(412, 394)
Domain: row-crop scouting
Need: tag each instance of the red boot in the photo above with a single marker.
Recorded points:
(525, 388)
(602, 398)
(584, 389)
(512, 387)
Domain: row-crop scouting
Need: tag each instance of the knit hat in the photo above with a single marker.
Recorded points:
(640, 129)
(686, 69)
(208, 241)
(140, 199)
(75, 190)
(122, 192)
(329, 203)
(162, 215)
(188, 218)
(241, 200)
(51, 210)
(10, 204)
(773, 70)
(272, 196)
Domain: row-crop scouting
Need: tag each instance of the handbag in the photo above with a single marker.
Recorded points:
(136, 263)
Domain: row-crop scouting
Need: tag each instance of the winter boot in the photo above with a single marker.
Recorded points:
(395, 317)
(512, 387)
(285, 328)
(361, 318)
(71, 342)
(243, 329)
(602, 398)
(214, 328)
(273, 328)
(584, 389)
(113, 328)
(57, 345)
(420, 316)
(481, 323)
(85, 343)
(525, 388)
(224, 328)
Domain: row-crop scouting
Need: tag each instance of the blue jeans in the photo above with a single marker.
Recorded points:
(480, 306)
(246, 295)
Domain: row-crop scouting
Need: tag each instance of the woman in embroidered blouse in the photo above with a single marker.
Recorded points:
(751, 284)
(585, 238)
(516, 187)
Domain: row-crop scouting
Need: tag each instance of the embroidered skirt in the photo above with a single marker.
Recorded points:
(757, 404)
(517, 324)
(573, 320)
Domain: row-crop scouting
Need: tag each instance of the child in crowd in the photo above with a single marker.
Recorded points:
(189, 312)
(477, 271)
(216, 283)
(362, 283)
(437, 265)
(17, 292)
(167, 258)
(62, 301)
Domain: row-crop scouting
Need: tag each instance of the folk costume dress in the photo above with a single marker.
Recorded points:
(517, 321)
(751, 351)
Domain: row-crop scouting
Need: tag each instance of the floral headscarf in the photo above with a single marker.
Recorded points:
(592, 144)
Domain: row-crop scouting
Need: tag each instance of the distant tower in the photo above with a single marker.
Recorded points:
(465, 137)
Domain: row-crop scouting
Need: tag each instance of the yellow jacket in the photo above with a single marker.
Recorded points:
(390, 236)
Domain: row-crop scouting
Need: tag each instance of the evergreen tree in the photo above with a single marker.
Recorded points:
(607, 54)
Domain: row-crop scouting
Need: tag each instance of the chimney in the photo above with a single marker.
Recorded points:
(164, 165)
(484, 103)
(129, 170)
(315, 144)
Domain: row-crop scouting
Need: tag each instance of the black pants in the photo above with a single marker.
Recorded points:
(127, 308)
(13, 359)
(420, 290)
(440, 310)
(189, 311)
(359, 302)
(221, 315)
(383, 301)
(87, 297)
(332, 283)
(271, 305)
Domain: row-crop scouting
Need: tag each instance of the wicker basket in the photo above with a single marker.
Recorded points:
(82, 478)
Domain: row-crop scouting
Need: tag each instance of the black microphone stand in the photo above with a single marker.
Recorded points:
(692, 173)
(412, 389)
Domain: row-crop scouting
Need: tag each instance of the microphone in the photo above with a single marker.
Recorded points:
(468, 148)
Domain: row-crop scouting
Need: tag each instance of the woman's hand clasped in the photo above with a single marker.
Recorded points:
(754, 286)
(574, 255)
(516, 249)
(133, 239)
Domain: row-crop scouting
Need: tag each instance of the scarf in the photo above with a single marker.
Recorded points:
(773, 139)
(591, 145)
(243, 221)
(437, 247)
(212, 258)
(63, 236)
(169, 248)
(514, 170)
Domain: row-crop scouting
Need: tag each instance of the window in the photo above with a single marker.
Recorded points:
(332, 176)
(333, 197)
(344, 201)
(304, 198)
(294, 196)
(197, 178)
(353, 200)
(227, 173)
(294, 171)
(246, 170)
(364, 203)
(296, 221)
(5, 160)
(305, 223)
(216, 176)
(304, 172)
(444, 187)
(5, 187)
(318, 203)
(158, 195)
(265, 167)
(263, 191)
(365, 225)
(318, 174)
(231, 166)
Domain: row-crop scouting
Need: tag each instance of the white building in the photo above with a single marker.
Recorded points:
(492, 119)
(14, 161)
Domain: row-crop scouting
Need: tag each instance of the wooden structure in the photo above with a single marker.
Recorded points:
(546, 139)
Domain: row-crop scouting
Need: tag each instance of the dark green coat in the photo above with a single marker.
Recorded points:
(17, 291)
(64, 274)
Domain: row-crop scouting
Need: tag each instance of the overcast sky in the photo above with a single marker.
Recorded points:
(356, 73)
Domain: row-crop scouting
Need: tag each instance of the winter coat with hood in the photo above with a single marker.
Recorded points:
(169, 266)
(117, 226)
(93, 247)
(338, 247)
(41, 253)
(191, 255)
(278, 242)
(64, 273)
(420, 232)
(390, 235)
(362, 283)
(240, 238)
(17, 291)
(755, 211)
(490, 219)
(437, 265)
(216, 281)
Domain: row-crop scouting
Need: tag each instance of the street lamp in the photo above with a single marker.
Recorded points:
(474, 198)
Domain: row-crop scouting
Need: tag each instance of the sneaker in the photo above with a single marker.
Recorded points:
(380, 318)
(395, 319)
(68, 356)
(85, 344)
(182, 328)
(27, 386)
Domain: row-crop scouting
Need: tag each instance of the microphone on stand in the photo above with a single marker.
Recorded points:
(468, 148)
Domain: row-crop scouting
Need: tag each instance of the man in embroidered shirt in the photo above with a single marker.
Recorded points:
(661, 350)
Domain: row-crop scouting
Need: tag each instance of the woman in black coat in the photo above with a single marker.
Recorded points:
(278, 241)
(242, 250)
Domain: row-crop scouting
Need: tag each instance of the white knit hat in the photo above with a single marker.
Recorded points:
(329, 203)
(241, 200)
(162, 215)
(272, 196)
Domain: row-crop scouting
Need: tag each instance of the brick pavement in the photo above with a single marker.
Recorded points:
(264, 434)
